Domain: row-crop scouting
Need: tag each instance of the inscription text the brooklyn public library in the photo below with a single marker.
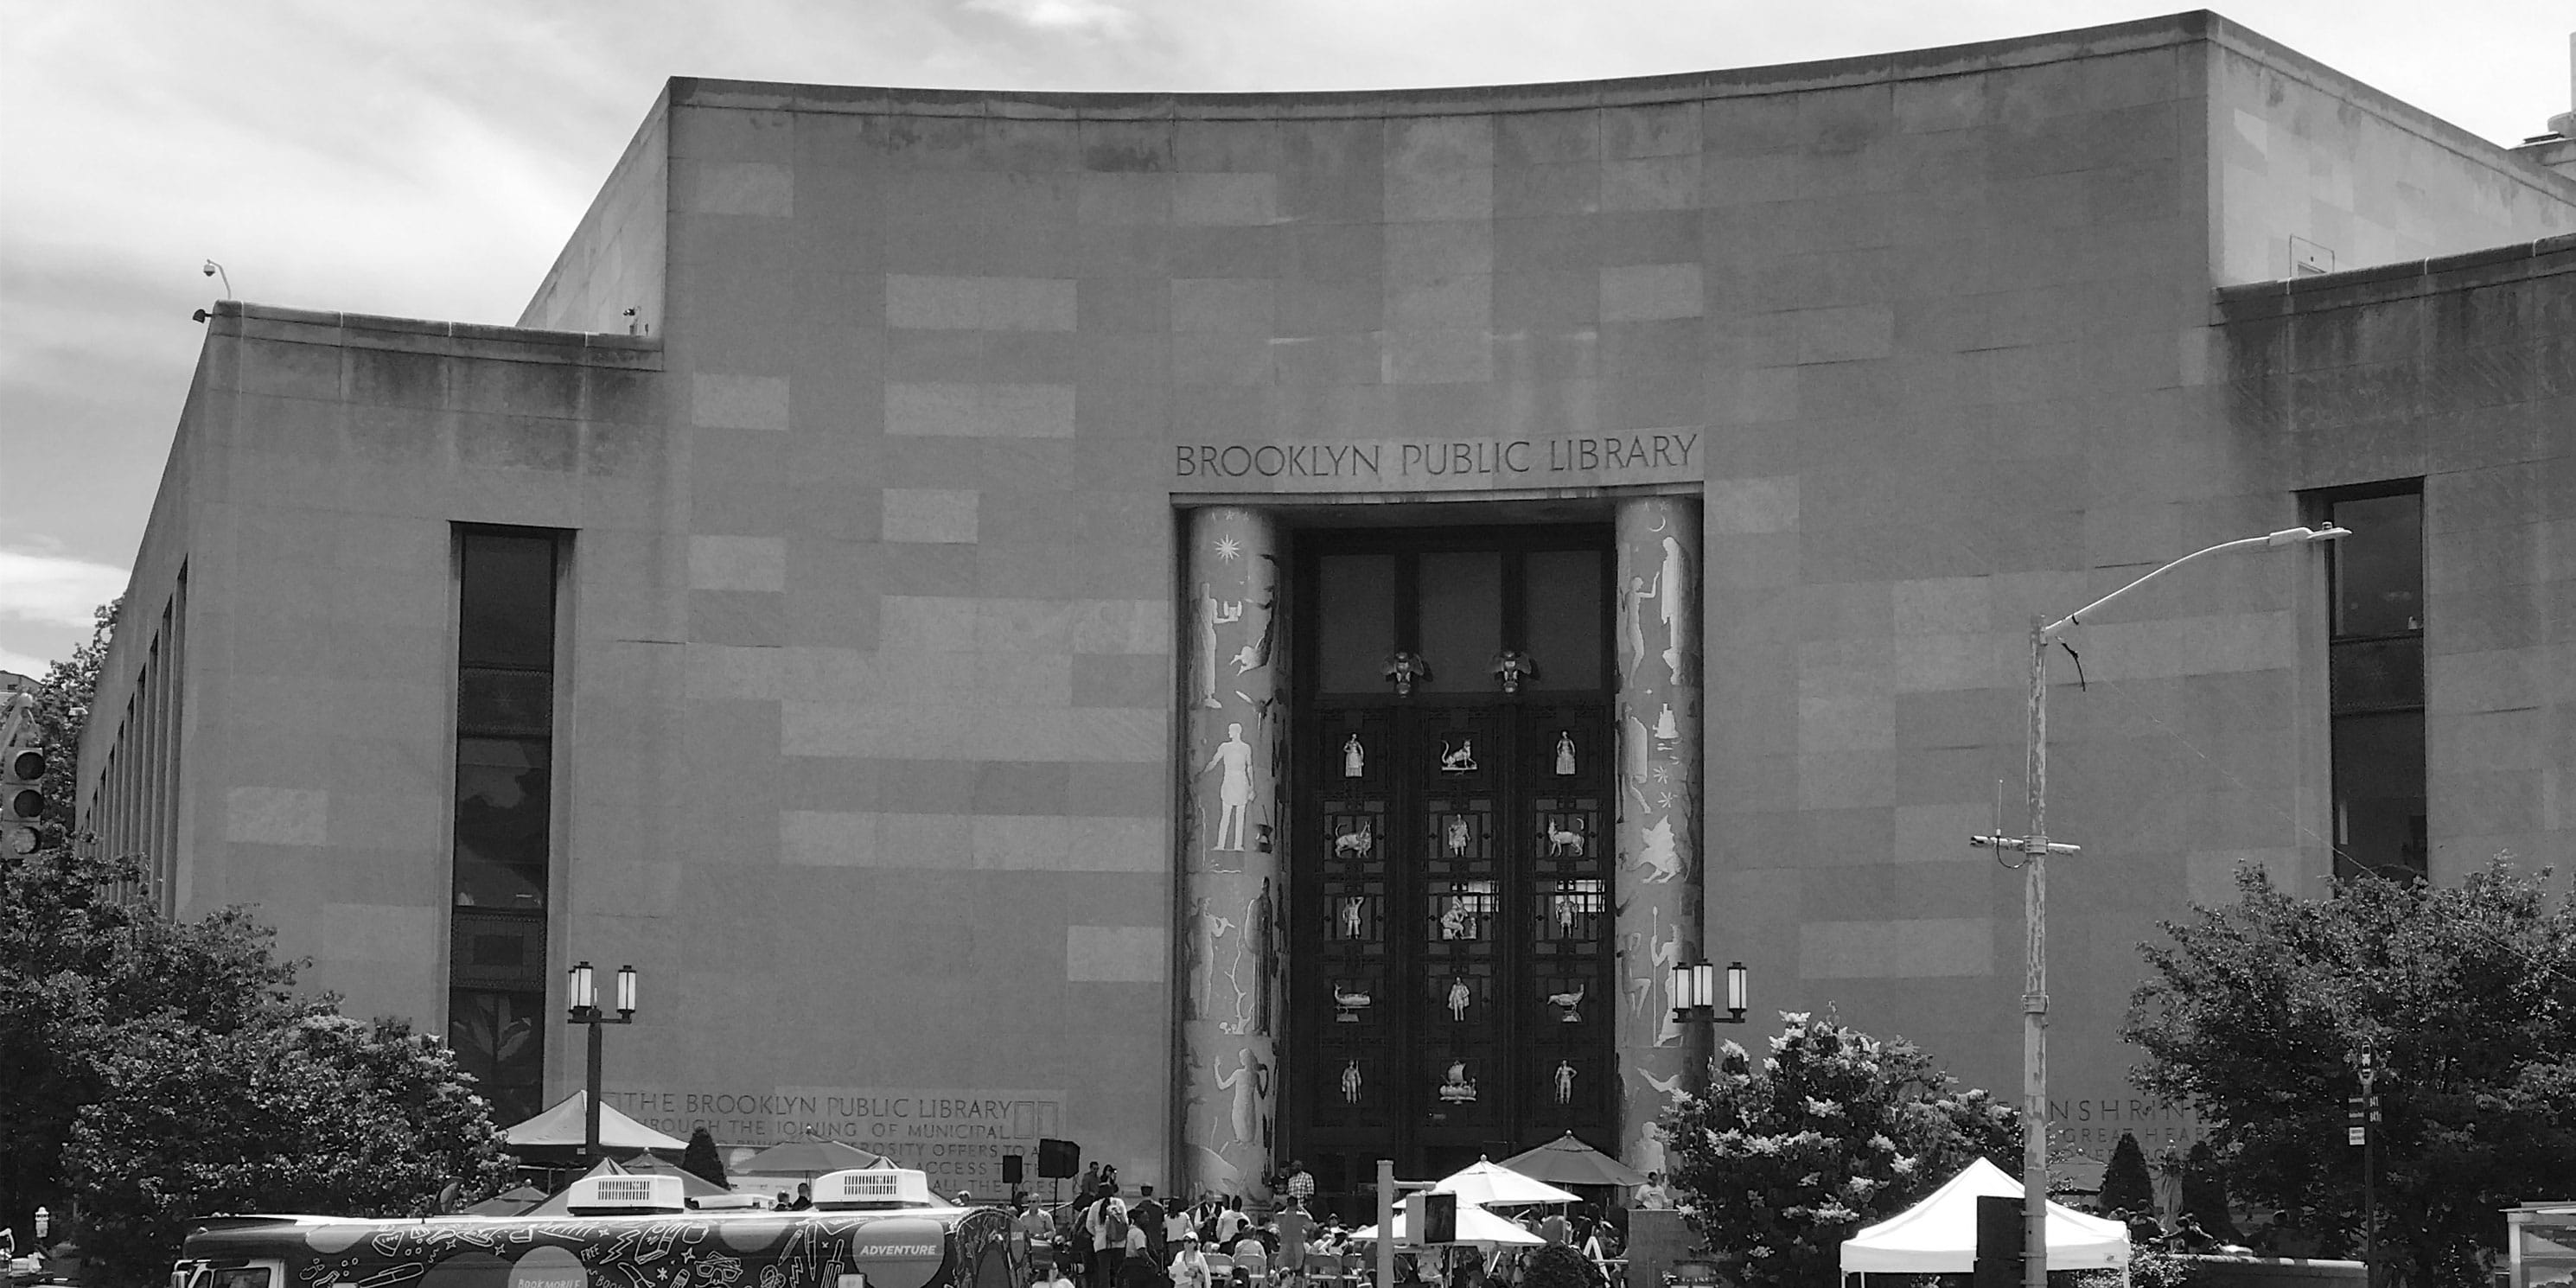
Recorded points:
(1670, 455)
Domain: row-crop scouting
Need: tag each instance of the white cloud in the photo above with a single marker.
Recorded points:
(41, 586)
(1094, 18)
(34, 668)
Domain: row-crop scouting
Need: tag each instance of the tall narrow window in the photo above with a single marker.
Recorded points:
(505, 663)
(2375, 673)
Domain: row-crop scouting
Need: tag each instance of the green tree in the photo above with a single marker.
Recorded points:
(2204, 1190)
(701, 1159)
(63, 699)
(2125, 1183)
(84, 974)
(1832, 1130)
(2468, 992)
(316, 1113)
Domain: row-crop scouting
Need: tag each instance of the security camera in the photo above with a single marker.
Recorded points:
(210, 268)
(199, 315)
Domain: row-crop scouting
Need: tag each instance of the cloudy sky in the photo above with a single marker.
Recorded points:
(428, 159)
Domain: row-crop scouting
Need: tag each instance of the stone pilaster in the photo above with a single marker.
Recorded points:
(1233, 878)
(1659, 879)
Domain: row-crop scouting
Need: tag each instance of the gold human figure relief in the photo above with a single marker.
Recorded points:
(1459, 998)
(1354, 758)
(1351, 1083)
(1564, 753)
(1455, 835)
(1564, 1083)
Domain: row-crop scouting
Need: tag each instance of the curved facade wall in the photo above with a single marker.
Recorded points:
(875, 720)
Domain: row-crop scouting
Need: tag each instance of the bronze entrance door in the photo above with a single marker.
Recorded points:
(1450, 958)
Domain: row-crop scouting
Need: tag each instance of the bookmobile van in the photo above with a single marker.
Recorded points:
(873, 1228)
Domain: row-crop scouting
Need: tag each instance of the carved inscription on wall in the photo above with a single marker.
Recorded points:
(957, 1136)
(1422, 465)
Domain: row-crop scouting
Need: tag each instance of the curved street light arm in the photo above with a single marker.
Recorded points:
(2284, 537)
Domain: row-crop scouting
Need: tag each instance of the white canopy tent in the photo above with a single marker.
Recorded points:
(562, 1125)
(1939, 1234)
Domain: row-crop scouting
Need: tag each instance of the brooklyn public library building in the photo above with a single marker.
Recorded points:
(1239, 627)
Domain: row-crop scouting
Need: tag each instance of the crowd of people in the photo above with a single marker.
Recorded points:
(1104, 1239)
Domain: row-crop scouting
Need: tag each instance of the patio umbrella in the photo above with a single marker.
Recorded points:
(809, 1158)
(1475, 1225)
(1566, 1160)
(1486, 1185)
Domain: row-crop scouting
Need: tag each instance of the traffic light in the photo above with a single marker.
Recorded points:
(1431, 1218)
(22, 796)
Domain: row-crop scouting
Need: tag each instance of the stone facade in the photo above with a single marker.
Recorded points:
(884, 425)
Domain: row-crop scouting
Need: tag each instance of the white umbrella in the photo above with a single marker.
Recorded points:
(1475, 1225)
(1486, 1185)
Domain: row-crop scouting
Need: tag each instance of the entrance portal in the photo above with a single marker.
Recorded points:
(1452, 983)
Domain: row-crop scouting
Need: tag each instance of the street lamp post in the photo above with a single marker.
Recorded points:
(2035, 849)
(585, 1009)
(1694, 991)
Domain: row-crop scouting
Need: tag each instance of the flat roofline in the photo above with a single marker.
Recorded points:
(2318, 292)
(427, 335)
(1865, 69)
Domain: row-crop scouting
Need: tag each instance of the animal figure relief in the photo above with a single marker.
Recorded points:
(1670, 1087)
(1569, 1005)
(1562, 843)
(1245, 659)
(1659, 854)
(1348, 1000)
(1354, 844)
(1460, 761)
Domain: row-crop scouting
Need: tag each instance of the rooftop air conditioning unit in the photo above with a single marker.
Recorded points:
(615, 1195)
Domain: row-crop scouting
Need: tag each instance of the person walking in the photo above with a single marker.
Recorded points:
(1106, 1222)
(1295, 1229)
(1148, 1218)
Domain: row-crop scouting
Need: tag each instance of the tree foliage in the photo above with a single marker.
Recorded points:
(2126, 1186)
(701, 1159)
(317, 1113)
(1832, 1130)
(2469, 994)
(2204, 1191)
(63, 698)
(84, 974)
(154, 1069)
